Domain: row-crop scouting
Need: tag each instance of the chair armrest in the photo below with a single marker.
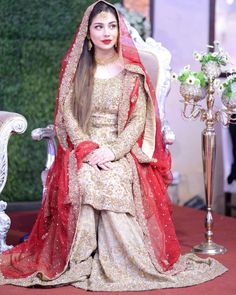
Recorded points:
(47, 133)
(10, 123)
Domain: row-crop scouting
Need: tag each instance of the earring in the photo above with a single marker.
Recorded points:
(90, 44)
(116, 45)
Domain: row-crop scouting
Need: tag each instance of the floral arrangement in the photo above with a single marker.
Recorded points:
(220, 57)
(190, 77)
(227, 86)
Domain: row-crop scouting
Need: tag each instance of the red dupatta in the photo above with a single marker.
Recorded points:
(46, 252)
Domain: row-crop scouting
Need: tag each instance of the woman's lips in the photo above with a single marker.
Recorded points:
(106, 41)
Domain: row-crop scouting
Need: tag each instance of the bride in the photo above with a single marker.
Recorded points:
(105, 223)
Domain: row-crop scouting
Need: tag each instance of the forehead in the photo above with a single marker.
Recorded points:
(104, 18)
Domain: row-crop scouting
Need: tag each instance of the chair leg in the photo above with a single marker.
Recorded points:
(228, 203)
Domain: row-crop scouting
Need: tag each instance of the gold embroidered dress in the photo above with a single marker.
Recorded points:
(108, 253)
(112, 189)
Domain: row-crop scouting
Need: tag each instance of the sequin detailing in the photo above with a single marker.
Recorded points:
(106, 97)
(128, 136)
(72, 126)
(148, 145)
(122, 262)
(112, 189)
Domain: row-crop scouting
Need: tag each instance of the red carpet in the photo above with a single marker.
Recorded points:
(190, 228)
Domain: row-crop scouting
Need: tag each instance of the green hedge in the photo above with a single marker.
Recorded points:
(34, 36)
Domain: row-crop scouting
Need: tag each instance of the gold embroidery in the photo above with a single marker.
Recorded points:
(148, 146)
(140, 214)
(128, 136)
(104, 14)
(142, 158)
(122, 262)
(75, 133)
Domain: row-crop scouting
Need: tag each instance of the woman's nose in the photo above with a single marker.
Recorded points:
(106, 32)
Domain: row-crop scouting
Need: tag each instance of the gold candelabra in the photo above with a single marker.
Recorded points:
(193, 92)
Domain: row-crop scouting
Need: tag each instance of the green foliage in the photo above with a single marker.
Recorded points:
(213, 56)
(227, 85)
(220, 57)
(196, 78)
(191, 77)
(34, 36)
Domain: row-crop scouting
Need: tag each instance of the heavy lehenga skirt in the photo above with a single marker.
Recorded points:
(109, 253)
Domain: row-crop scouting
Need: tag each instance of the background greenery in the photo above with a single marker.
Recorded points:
(34, 36)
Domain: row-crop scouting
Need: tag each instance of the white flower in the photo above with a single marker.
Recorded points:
(217, 82)
(174, 76)
(186, 68)
(231, 77)
(197, 55)
(225, 58)
(230, 70)
(190, 80)
(221, 87)
(214, 54)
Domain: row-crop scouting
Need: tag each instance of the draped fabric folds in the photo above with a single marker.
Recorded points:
(46, 252)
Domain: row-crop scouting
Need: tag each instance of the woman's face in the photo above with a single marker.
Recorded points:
(104, 31)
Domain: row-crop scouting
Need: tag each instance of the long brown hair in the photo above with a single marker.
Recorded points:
(84, 78)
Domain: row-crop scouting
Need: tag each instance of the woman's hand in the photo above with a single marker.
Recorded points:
(105, 166)
(101, 156)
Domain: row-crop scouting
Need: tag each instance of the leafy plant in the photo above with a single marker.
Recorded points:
(190, 77)
(227, 86)
(220, 58)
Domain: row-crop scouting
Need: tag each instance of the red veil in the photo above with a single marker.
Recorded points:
(47, 251)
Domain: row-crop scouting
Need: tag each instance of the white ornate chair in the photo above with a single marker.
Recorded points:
(10, 123)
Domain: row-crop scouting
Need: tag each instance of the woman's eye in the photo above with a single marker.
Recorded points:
(113, 26)
(98, 27)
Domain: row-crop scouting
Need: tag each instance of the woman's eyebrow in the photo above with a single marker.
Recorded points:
(108, 23)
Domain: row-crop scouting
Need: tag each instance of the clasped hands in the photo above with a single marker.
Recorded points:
(101, 158)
